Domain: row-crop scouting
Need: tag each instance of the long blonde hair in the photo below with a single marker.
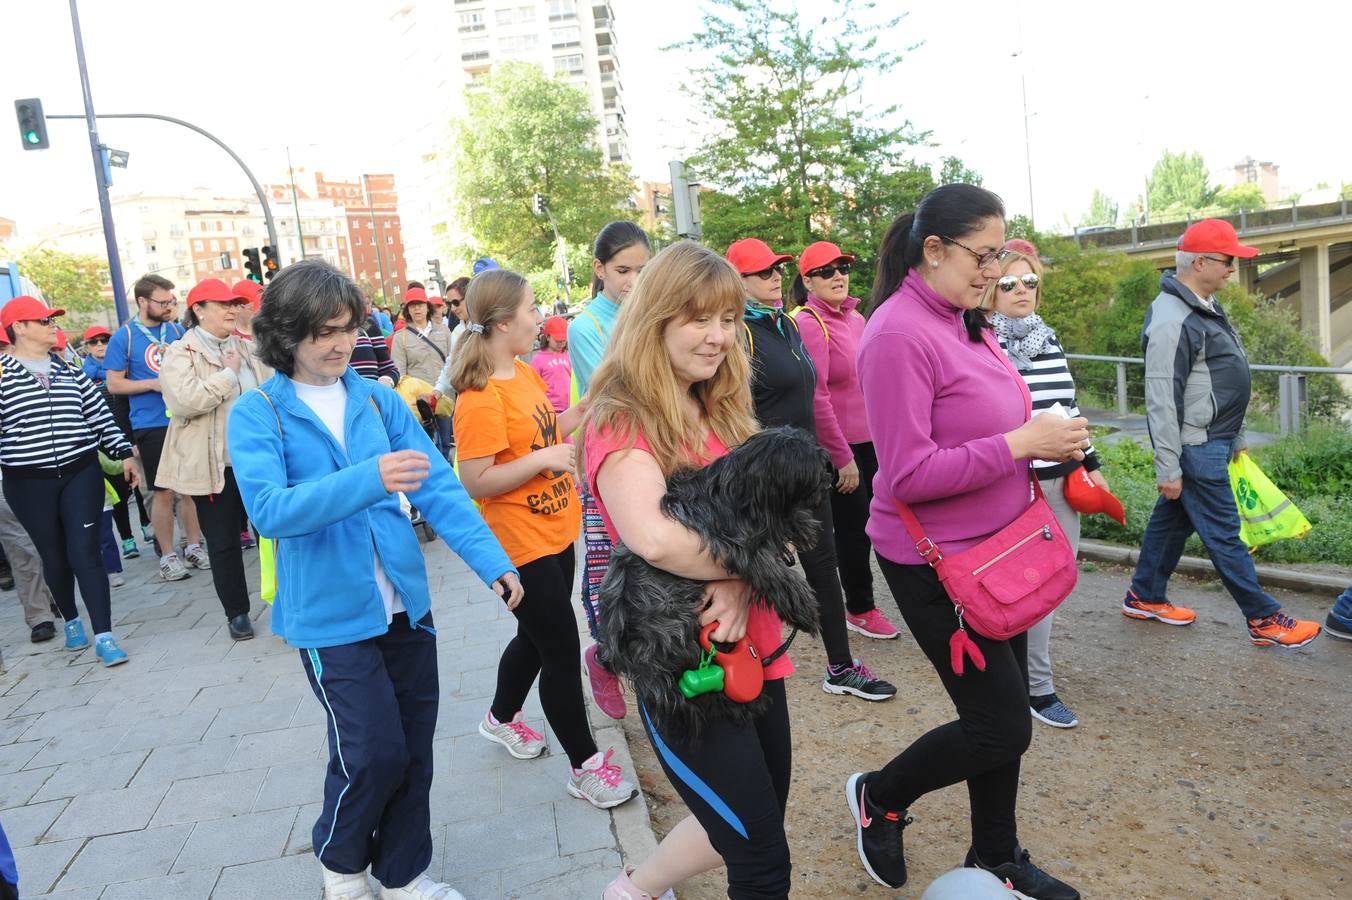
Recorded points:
(493, 297)
(1009, 258)
(634, 389)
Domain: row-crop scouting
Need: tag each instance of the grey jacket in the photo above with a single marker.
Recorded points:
(1197, 380)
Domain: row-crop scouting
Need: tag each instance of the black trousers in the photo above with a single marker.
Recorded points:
(735, 780)
(219, 515)
(819, 567)
(853, 548)
(62, 516)
(984, 745)
(546, 646)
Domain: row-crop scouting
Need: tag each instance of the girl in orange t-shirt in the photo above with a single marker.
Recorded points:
(514, 461)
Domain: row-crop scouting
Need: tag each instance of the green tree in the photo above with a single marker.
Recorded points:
(1179, 185)
(1247, 196)
(1102, 210)
(526, 133)
(954, 171)
(72, 281)
(794, 154)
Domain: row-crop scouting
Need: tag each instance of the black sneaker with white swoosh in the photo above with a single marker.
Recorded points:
(878, 833)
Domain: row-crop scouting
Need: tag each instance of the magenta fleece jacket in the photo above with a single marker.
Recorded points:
(838, 401)
(938, 406)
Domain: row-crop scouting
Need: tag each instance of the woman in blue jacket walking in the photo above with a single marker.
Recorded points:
(321, 456)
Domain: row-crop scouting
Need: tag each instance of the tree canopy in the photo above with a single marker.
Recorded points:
(1179, 184)
(72, 281)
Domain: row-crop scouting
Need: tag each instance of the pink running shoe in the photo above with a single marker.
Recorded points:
(871, 624)
(605, 686)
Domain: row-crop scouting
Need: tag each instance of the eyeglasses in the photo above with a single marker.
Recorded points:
(172, 301)
(47, 321)
(97, 340)
(829, 271)
(767, 274)
(1223, 260)
(982, 259)
(1008, 283)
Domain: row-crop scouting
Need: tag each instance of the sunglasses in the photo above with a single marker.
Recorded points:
(455, 304)
(1008, 283)
(50, 320)
(97, 340)
(767, 274)
(1223, 260)
(830, 271)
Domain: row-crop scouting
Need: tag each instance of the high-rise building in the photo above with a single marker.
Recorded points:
(450, 46)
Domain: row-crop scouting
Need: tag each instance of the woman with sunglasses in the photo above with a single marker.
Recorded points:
(783, 383)
(202, 374)
(1010, 305)
(53, 422)
(949, 421)
(832, 325)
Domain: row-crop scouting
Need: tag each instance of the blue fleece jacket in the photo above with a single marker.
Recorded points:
(328, 510)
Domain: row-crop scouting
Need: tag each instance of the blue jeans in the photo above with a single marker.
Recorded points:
(1206, 506)
(1342, 608)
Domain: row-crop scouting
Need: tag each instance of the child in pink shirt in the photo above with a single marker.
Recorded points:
(553, 364)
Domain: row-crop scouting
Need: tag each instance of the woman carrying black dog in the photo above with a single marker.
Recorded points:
(674, 391)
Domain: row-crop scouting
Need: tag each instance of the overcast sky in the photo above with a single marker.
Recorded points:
(1107, 92)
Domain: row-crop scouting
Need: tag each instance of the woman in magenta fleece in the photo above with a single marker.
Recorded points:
(949, 425)
(831, 326)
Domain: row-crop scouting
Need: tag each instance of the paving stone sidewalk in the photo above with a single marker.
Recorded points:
(195, 770)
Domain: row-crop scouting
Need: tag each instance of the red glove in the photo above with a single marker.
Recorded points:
(743, 674)
(1084, 496)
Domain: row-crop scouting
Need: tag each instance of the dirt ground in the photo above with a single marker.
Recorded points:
(1203, 767)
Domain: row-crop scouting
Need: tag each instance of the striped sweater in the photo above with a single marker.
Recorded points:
(1049, 382)
(44, 429)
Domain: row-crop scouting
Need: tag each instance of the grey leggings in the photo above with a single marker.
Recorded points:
(1040, 635)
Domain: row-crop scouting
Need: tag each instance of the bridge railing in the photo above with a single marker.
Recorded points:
(1292, 409)
(1276, 218)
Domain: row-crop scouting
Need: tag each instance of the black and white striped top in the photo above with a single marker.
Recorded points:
(44, 428)
(1049, 382)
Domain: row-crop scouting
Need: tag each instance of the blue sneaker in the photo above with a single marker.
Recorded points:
(1049, 710)
(129, 550)
(109, 653)
(75, 635)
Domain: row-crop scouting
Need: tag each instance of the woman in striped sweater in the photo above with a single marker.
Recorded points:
(53, 421)
(1010, 305)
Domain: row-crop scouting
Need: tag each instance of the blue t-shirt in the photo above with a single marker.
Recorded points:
(141, 363)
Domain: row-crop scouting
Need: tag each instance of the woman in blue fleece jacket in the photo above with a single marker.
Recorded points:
(321, 456)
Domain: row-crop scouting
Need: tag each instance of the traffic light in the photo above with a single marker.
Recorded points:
(252, 265)
(270, 264)
(32, 124)
(538, 203)
(435, 266)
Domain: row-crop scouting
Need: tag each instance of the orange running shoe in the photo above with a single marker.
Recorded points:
(1280, 630)
(1134, 607)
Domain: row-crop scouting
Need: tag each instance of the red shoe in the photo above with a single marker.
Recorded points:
(605, 686)
(1135, 608)
(871, 624)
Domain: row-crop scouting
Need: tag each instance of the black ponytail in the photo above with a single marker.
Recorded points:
(798, 290)
(614, 238)
(951, 211)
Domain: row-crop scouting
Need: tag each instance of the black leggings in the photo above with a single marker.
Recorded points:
(62, 515)
(121, 512)
(219, 516)
(735, 780)
(993, 728)
(819, 566)
(546, 644)
(852, 544)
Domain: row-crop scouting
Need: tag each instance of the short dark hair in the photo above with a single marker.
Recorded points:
(147, 285)
(297, 304)
(460, 286)
(412, 285)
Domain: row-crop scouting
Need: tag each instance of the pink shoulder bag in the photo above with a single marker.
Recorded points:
(1010, 581)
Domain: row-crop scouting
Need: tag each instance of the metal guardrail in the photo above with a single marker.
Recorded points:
(1253, 223)
(1291, 391)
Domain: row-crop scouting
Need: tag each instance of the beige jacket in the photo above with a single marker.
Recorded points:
(414, 356)
(199, 391)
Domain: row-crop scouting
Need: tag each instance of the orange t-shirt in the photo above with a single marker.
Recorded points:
(507, 420)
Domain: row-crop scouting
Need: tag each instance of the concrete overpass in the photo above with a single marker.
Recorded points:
(1305, 259)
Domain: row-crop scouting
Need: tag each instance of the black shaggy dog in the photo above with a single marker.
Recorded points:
(748, 507)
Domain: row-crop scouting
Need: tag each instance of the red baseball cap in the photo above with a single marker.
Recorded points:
(415, 295)
(435, 300)
(213, 290)
(819, 254)
(249, 290)
(26, 309)
(1214, 236)
(94, 331)
(556, 327)
(754, 255)
(61, 340)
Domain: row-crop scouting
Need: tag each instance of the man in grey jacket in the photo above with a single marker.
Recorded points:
(1196, 394)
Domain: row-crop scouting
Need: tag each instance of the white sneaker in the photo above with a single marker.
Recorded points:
(172, 570)
(338, 886)
(423, 888)
(116, 580)
(600, 782)
(520, 739)
(197, 557)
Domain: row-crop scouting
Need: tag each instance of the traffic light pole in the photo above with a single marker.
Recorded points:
(100, 174)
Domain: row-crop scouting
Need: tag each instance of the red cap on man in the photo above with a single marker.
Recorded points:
(1214, 236)
(27, 309)
(750, 255)
(251, 291)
